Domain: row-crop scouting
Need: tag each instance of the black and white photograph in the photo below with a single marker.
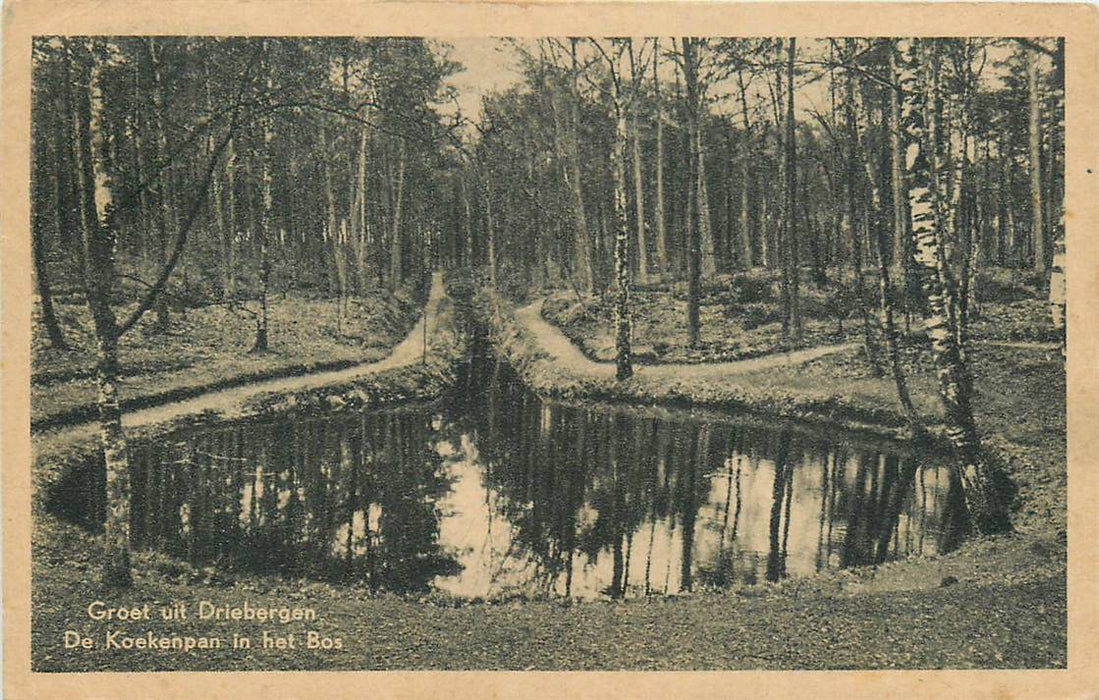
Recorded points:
(547, 353)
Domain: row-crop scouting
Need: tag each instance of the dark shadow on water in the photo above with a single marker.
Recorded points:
(497, 493)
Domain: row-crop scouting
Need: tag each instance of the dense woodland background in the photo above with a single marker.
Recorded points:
(369, 168)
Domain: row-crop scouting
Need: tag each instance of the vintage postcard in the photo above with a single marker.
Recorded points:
(549, 350)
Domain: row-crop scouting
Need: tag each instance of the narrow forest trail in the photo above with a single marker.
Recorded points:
(404, 353)
(1021, 344)
(557, 344)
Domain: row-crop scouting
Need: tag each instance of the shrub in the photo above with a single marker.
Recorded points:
(1000, 285)
(752, 288)
(754, 315)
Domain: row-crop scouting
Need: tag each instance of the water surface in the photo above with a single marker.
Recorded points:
(495, 492)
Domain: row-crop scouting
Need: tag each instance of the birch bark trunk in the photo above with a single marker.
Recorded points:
(983, 495)
(639, 207)
(623, 355)
(98, 241)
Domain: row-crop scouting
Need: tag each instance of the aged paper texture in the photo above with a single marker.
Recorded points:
(594, 350)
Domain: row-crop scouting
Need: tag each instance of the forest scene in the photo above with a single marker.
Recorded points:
(554, 353)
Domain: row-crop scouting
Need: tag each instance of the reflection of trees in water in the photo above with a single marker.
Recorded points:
(534, 465)
(583, 482)
(882, 494)
(592, 481)
(721, 570)
(781, 493)
(348, 498)
(660, 505)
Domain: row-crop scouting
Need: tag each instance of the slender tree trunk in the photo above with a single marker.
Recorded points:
(950, 131)
(902, 256)
(1004, 237)
(746, 232)
(983, 497)
(231, 201)
(658, 201)
(792, 262)
(764, 230)
(467, 220)
(639, 207)
(1035, 165)
(361, 200)
(98, 240)
(141, 161)
(852, 214)
(48, 161)
(223, 236)
(680, 214)
(900, 212)
(490, 235)
(623, 355)
(694, 244)
(260, 346)
(215, 197)
(780, 215)
(581, 244)
(638, 190)
(395, 246)
(335, 231)
(961, 232)
(702, 203)
(539, 264)
(1057, 286)
(165, 190)
(113, 440)
(728, 250)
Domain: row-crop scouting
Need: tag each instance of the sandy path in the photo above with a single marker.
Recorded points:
(555, 343)
(1020, 344)
(226, 400)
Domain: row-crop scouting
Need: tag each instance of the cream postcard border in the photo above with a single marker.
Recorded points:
(23, 19)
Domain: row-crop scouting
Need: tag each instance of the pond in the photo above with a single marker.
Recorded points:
(494, 493)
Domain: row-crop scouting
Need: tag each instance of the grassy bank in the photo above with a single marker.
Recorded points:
(208, 348)
(1007, 610)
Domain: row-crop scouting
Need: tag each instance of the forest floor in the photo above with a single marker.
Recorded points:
(741, 318)
(208, 349)
(554, 342)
